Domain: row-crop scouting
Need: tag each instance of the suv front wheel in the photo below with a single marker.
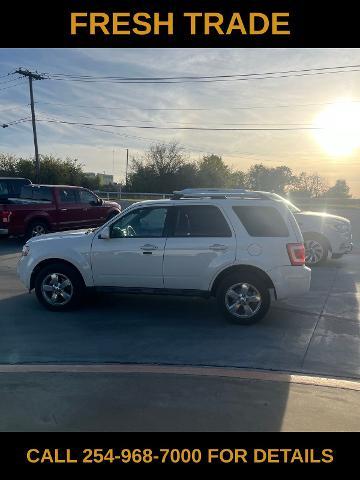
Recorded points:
(243, 298)
(316, 252)
(59, 287)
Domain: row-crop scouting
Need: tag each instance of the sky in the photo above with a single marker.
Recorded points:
(293, 101)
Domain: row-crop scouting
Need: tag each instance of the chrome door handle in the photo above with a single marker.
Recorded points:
(148, 247)
(217, 247)
(64, 209)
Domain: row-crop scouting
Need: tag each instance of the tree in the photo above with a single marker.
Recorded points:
(309, 185)
(238, 179)
(271, 179)
(213, 172)
(163, 168)
(340, 190)
(53, 171)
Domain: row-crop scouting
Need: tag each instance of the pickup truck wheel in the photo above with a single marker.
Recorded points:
(316, 252)
(35, 229)
(243, 298)
(59, 287)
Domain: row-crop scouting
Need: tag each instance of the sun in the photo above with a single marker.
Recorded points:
(339, 128)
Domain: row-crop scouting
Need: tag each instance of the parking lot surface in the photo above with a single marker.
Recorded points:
(316, 333)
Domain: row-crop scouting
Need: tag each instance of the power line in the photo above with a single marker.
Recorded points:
(153, 127)
(10, 81)
(313, 71)
(136, 137)
(250, 107)
(15, 122)
(6, 75)
(192, 124)
(11, 86)
(169, 82)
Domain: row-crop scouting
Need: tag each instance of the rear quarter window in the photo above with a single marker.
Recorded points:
(262, 221)
(40, 194)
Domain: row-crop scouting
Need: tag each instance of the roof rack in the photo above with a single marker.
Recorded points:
(219, 193)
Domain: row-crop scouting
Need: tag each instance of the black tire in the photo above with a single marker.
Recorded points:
(256, 288)
(316, 251)
(36, 226)
(63, 272)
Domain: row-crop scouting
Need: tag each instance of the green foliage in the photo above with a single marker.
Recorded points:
(340, 190)
(308, 185)
(270, 179)
(162, 169)
(53, 171)
(165, 168)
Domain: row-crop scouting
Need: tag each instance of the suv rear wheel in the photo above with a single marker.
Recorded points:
(59, 287)
(243, 298)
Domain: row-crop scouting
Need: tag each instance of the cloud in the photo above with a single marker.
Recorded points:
(125, 104)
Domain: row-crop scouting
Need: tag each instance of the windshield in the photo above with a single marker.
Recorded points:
(289, 205)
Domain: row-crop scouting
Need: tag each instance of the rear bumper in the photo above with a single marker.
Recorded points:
(290, 281)
(4, 231)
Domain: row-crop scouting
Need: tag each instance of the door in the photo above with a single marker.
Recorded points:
(94, 212)
(200, 245)
(133, 255)
(71, 213)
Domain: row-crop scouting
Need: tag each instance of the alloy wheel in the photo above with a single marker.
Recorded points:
(314, 252)
(243, 300)
(57, 289)
(38, 230)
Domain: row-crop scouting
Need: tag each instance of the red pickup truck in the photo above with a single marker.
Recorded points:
(45, 208)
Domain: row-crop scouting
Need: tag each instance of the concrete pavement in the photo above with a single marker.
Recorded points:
(318, 333)
(108, 398)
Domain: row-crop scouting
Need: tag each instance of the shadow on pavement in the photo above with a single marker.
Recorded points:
(318, 333)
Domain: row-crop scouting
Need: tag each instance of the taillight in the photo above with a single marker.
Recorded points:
(5, 216)
(296, 252)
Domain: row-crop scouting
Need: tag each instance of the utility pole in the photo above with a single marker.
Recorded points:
(33, 76)
(127, 166)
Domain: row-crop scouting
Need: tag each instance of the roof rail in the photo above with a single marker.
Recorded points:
(218, 193)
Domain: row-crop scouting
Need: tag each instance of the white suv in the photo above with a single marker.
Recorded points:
(240, 247)
(323, 233)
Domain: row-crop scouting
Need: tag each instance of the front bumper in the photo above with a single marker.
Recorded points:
(24, 270)
(290, 281)
(346, 247)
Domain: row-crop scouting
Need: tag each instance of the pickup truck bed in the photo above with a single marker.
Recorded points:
(49, 208)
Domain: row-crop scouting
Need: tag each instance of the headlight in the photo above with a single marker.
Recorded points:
(25, 250)
(341, 227)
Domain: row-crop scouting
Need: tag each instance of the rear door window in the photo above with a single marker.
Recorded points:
(200, 221)
(43, 194)
(68, 195)
(262, 221)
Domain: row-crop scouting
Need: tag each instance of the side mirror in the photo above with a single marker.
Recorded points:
(104, 234)
(100, 201)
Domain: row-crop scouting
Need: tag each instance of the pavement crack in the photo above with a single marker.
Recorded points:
(319, 316)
